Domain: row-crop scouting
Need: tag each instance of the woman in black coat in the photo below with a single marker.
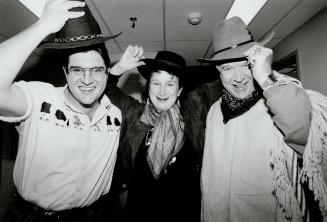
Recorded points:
(161, 139)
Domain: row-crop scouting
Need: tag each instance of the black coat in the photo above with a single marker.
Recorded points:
(131, 150)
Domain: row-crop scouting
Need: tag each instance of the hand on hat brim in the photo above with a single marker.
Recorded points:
(236, 52)
(231, 54)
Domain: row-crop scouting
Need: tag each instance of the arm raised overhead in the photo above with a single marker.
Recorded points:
(15, 51)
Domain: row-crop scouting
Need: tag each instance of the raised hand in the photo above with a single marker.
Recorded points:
(56, 13)
(129, 60)
(260, 59)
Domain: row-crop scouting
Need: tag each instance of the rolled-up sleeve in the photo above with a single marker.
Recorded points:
(25, 86)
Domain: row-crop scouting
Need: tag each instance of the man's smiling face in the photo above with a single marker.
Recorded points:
(237, 78)
(86, 86)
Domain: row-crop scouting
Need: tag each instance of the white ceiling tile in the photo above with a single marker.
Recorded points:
(150, 49)
(2, 38)
(190, 50)
(271, 13)
(117, 13)
(299, 16)
(177, 26)
(112, 47)
(35, 6)
(14, 17)
(273, 42)
(147, 46)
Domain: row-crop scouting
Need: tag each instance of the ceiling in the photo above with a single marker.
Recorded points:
(162, 24)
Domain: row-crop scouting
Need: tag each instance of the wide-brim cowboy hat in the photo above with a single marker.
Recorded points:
(231, 38)
(78, 32)
(166, 61)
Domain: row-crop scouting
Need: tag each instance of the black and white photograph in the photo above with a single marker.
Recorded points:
(163, 110)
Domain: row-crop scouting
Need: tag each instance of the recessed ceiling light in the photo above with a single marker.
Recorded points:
(194, 18)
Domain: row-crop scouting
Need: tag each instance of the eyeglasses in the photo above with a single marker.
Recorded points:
(96, 72)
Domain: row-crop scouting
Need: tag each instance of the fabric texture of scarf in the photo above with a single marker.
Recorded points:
(167, 136)
(233, 107)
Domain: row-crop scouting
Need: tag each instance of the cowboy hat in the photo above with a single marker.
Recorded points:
(164, 60)
(231, 38)
(78, 32)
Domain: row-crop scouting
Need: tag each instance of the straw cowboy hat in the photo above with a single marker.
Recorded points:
(231, 38)
(164, 60)
(78, 32)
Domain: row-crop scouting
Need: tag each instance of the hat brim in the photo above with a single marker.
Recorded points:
(155, 64)
(76, 44)
(230, 54)
(237, 52)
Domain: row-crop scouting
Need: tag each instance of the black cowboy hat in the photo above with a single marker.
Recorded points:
(166, 61)
(78, 32)
(231, 38)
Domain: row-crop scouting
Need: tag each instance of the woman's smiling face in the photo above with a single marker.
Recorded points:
(164, 90)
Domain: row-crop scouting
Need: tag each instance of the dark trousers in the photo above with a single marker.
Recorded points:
(20, 210)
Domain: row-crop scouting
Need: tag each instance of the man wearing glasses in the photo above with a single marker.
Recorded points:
(68, 135)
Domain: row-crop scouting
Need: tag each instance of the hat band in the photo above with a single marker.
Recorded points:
(232, 47)
(78, 38)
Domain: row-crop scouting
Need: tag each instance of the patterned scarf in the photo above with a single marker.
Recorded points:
(232, 107)
(167, 136)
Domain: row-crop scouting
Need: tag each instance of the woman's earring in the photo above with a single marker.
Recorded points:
(178, 102)
(64, 69)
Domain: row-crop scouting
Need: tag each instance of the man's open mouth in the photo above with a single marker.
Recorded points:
(240, 86)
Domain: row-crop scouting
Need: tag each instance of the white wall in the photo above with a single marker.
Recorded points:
(311, 42)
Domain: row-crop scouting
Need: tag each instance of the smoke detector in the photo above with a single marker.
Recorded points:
(194, 18)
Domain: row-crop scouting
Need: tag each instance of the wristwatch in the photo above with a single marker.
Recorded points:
(271, 80)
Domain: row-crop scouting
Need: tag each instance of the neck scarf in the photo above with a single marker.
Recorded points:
(232, 107)
(167, 136)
